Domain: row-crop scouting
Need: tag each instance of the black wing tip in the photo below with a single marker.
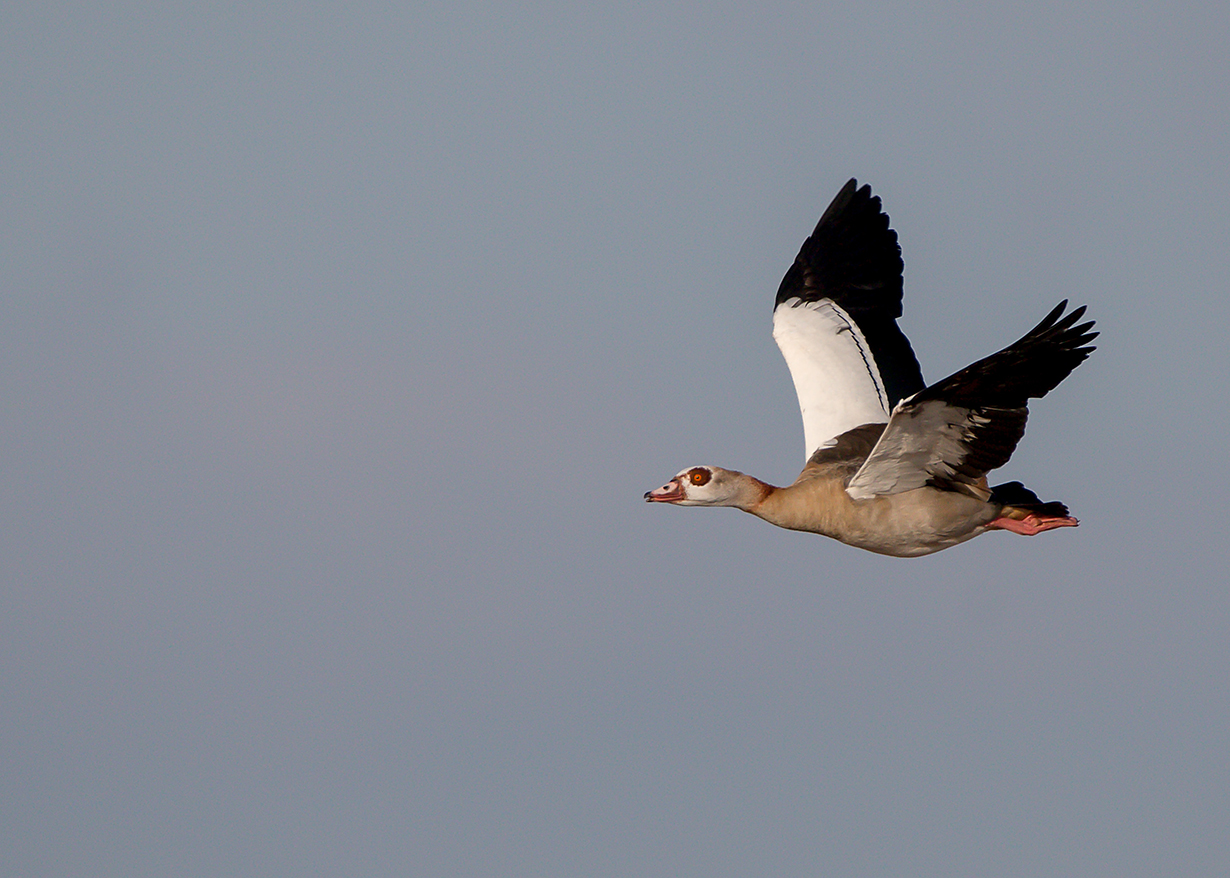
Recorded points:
(851, 204)
(1058, 345)
(1061, 329)
(1057, 319)
(852, 188)
(1029, 368)
(852, 256)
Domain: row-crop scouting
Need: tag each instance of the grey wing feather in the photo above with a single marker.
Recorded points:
(952, 433)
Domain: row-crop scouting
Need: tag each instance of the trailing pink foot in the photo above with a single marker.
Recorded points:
(1033, 524)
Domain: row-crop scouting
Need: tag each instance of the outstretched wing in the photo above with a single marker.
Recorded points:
(835, 320)
(955, 431)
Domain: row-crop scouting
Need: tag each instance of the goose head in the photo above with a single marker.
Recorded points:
(708, 486)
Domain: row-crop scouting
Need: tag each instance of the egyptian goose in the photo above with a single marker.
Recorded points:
(892, 465)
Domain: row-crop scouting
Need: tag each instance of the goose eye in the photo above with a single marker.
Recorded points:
(699, 476)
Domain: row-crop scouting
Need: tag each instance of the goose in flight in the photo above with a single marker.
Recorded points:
(893, 465)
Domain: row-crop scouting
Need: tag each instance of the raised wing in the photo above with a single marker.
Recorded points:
(835, 320)
(957, 430)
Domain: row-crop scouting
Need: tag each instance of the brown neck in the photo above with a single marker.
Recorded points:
(816, 505)
(752, 494)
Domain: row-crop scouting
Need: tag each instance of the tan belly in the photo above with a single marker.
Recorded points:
(909, 524)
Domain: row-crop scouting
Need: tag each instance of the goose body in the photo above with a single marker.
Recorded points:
(893, 465)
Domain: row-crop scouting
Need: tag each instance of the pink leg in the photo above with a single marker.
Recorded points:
(1032, 524)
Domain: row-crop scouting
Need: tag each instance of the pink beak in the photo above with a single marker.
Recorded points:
(668, 493)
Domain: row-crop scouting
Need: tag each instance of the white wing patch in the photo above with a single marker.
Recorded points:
(920, 442)
(835, 376)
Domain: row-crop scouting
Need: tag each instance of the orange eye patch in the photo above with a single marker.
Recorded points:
(699, 476)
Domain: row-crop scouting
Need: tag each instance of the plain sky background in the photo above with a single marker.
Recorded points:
(339, 342)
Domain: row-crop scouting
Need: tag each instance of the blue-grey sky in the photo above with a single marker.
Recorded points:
(339, 342)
